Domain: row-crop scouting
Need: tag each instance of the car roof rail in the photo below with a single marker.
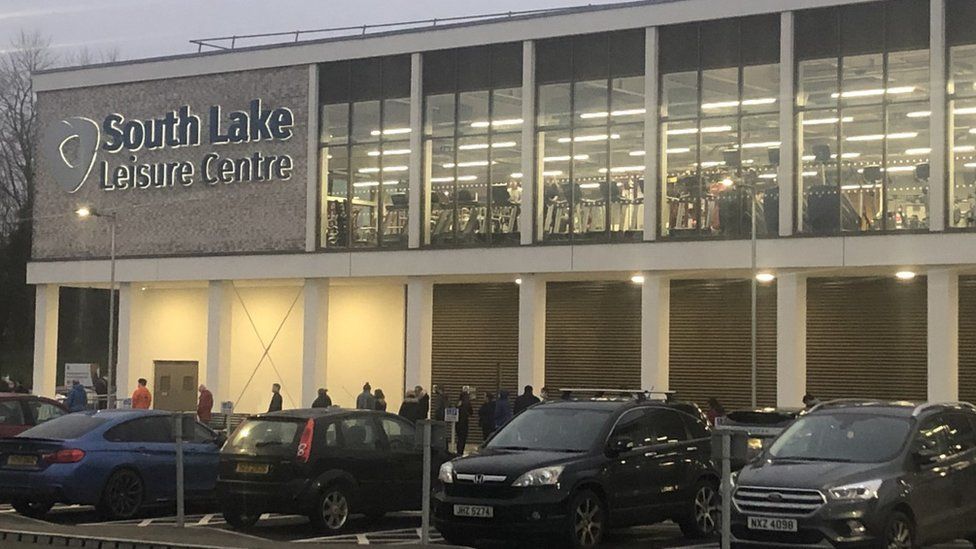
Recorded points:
(845, 402)
(950, 404)
(636, 394)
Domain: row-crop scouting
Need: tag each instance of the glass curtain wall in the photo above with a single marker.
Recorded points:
(720, 127)
(590, 136)
(863, 117)
(473, 145)
(962, 108)
(364, 149)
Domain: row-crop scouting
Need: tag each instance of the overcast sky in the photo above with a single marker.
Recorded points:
(150, 28)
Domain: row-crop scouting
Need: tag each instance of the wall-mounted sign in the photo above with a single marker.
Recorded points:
(77, 146)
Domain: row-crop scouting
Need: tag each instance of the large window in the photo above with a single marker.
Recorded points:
(962, 109)
(473, 144)
(720, 127)
(364, 152)
(863, 117)
(590, 143)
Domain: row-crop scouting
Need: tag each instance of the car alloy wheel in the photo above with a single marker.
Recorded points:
(123, 494)
(706, 509)
(334, 509)
(898, 533)
(587, 520)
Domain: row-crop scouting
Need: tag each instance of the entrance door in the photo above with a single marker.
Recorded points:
(175, 386)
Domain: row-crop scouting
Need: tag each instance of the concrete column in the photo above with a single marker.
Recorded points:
(313, 190)
(315, 337)
(219, 301)
(531, 212)
(655, 332)
(417, 197)
(652, 136)
(791, 340)
(943, 334)
(123, 369)
(532, 332)
(786, 175)
(46, 310)
(420, 328)
(939, 200)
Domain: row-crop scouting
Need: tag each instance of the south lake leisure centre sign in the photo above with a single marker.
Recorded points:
(82, 139)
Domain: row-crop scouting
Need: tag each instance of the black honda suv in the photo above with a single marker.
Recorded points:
(862, 474)
(572, 469)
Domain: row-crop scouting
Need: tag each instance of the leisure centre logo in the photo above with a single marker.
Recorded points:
(73, 142)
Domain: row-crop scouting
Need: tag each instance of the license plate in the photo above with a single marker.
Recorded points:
(772, 524)
(474, 511)
(22, 461)
(253, 468)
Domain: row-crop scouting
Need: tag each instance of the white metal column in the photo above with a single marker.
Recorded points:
(46, 310)
(128, 302)
(655, 332)
(529, 216)
(219, 301)
(653, 190)
(943, 335)
(786, 175)
(420, 329)
(940, 193)
(532, 332)
(791, 339)
(418, 201)
(313, 191)
(315, 336)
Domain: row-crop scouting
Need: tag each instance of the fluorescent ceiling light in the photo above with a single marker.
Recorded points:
(589, 186)
(472, 164)
(566, 158)
(516, 175)
(879, 137)
(767, 176)
(497, 123)
(589, 138)
(919, 114)
(822, 121)
(918, 152)
(969, 165)
(451, 179)
(874, 92)
(482, 146)
(390, 131)
(552, 173)
(389, 152)
(623, 169)
(745, 103)
(809, 174)
(374, 183)
(762, 145)
(604, 114)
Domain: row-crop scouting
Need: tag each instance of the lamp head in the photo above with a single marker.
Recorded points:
(84, 212)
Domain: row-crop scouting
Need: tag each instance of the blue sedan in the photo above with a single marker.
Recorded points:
(118, 460)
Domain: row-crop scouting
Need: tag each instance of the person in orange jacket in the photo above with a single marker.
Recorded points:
(141, 397)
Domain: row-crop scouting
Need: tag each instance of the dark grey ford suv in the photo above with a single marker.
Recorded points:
(862, 474)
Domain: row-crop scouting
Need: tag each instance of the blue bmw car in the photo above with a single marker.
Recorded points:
(121, 461)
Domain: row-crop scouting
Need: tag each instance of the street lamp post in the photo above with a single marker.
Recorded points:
(85, 213)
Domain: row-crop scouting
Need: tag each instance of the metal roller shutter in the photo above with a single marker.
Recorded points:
(867, 338)
(475, 342)
(967, 338)
(593, 335)
(711, 351)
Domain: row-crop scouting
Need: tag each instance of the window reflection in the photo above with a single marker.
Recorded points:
(962, 114)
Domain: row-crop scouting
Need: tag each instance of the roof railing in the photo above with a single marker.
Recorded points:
(928, 405)
(232, 42)
(844, 402)
(638, 394)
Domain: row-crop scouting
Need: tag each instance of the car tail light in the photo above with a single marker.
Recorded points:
(72, 455)
(305, 443)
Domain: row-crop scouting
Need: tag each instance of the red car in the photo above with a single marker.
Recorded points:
(19, 412)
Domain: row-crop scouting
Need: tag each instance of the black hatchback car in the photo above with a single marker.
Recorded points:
(862, 474)
(324, 463)
(570, 470)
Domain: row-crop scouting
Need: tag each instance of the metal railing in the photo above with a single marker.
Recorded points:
(234, 41)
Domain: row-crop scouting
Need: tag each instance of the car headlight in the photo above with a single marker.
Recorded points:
(860, 491)
(446, 474)
(544, 476)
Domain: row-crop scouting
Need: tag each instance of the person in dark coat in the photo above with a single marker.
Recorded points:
(525, 400)
(464, 418)
(205, 405)
(410, 408)
(486, 416)
(442, 401)
(275, 405)
(503, 410)
(77, 398)
(379, 400)
(323, 400)
(423, 402)
(365, 400)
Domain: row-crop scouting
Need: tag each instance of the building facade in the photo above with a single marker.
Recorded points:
(563, 199)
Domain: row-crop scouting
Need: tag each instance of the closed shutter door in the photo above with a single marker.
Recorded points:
(593, 335)
(866, 338)
(711, 349)
(475, 342)
(967, 338)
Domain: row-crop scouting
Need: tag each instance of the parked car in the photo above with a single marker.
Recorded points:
(325, 463)
(118, 460)
(19, 412)
(763, 425)
(864, 474)
(572, 469)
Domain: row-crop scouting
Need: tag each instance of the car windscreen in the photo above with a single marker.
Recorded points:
(265, 436)
(67, 427)
(843, 437)
(552, 428)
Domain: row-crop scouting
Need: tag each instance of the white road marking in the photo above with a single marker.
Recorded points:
(205, 520)
(361, 539)
(145, 523)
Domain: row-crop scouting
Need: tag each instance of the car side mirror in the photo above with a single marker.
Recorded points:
(619, 445)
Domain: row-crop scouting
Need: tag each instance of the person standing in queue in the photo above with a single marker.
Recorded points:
(323, 400)
(77, 399)
(715, 411)
(379, 400)
(141, 397)
(486, 416)
(423, 402)
(275, 405)
(525, 400)
(464, 417)
(365, 400)
(503, 410)
(205, 405)
(409, 408)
